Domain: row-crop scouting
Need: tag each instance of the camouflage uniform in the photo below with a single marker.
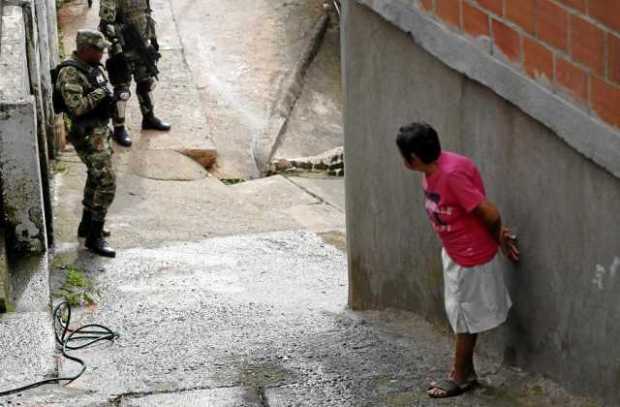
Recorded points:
(90, 138)
(115, 16)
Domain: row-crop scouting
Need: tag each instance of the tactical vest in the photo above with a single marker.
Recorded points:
(95, 78)
(137, 13)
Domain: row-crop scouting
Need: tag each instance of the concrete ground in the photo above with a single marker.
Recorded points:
(230, 295)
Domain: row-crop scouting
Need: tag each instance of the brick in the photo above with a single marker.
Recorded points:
(613, 67)
(494, 6)
(522, 12)
(449, 11)
(475, 21)
(605, 101)
(576, 4)
(552, 24)
(587, 43)
(537, 60)
(606, 11)
(572, 79)
(427, 5)
(507, 40)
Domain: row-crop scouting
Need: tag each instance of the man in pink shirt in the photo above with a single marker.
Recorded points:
(471, 232)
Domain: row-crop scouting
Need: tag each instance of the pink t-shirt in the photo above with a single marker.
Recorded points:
(452, 193)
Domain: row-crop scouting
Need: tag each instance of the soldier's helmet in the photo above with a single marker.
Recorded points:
(91, 38)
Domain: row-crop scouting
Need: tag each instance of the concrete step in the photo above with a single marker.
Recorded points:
(27, 349)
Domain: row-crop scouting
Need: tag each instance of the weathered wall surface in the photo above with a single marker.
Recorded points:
(563, 206)
(28, 48)
(20, 162)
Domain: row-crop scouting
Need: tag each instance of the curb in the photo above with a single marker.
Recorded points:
(266, 143)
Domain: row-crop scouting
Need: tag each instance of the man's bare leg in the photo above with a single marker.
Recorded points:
(463, 361)
(464, 357)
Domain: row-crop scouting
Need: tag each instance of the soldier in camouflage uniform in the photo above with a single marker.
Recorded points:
(128, 25)
(88, 101)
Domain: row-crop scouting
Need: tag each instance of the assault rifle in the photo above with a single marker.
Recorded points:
(148, 53)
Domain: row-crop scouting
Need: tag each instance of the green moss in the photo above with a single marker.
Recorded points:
(232, 181)
(59, 167)
(261, 376)
(77, 289)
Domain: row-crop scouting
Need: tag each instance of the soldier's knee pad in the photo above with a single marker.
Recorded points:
(145, 87)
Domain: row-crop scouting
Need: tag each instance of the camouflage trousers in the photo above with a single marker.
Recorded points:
(95, 150)
(145, 83)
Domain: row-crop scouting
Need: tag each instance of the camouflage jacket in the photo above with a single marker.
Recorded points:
(135, 12)
(81, 97)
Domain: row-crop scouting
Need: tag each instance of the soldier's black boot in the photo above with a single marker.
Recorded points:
(95, 241)
(84, 226)
(151, 122)
(121, 136)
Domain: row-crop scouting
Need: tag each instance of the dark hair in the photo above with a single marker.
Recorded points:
(419, 139)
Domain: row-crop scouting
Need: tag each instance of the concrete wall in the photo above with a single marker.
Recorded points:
(23, 166)
(563, 206)
(4, 273)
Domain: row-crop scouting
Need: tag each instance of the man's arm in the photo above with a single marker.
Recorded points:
(491, 219)
(72, 92)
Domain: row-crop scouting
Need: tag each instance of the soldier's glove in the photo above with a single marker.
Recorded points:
(155, 43)
(118, 69)
(109, 30)
(153, 53)
(100, 94)
(105, 108)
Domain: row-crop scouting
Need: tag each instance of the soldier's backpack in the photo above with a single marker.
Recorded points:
(57, 99)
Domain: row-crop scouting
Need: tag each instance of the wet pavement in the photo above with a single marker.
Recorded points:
(232, 295)
(240, 53)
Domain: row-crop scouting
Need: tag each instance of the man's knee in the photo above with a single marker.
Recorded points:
(145, 86)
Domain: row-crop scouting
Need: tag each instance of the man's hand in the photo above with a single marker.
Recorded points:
(99, 94)
(509, 245)
(491, 219)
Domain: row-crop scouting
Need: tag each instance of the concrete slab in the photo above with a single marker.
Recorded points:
(178, 102)
(315, 124)
(14, 81)
(166, 165)
(27, 349)
(54, 396)
(209, 314)
(328, 189)
(239, 76)
(4, 273)
(30, 289)
(146, 212)
(22, 183)
(272, 193)
(227, 397)
(318, 218)
(176, 97)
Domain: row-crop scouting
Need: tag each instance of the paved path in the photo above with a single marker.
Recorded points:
(232, 295)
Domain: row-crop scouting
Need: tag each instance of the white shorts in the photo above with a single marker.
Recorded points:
(476, 297)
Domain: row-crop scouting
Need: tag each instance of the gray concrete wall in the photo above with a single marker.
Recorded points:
(4, 272)
(563, 206)
(23, 186)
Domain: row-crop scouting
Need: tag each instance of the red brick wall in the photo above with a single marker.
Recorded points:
(569, 46)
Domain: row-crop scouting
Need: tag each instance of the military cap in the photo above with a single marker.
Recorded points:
(91, 38)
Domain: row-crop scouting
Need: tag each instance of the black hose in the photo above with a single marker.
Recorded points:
(84, 336)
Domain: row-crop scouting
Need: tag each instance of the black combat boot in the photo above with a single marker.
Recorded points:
(85, 226)
(121, 136)
(151, 122)
(95, 241)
